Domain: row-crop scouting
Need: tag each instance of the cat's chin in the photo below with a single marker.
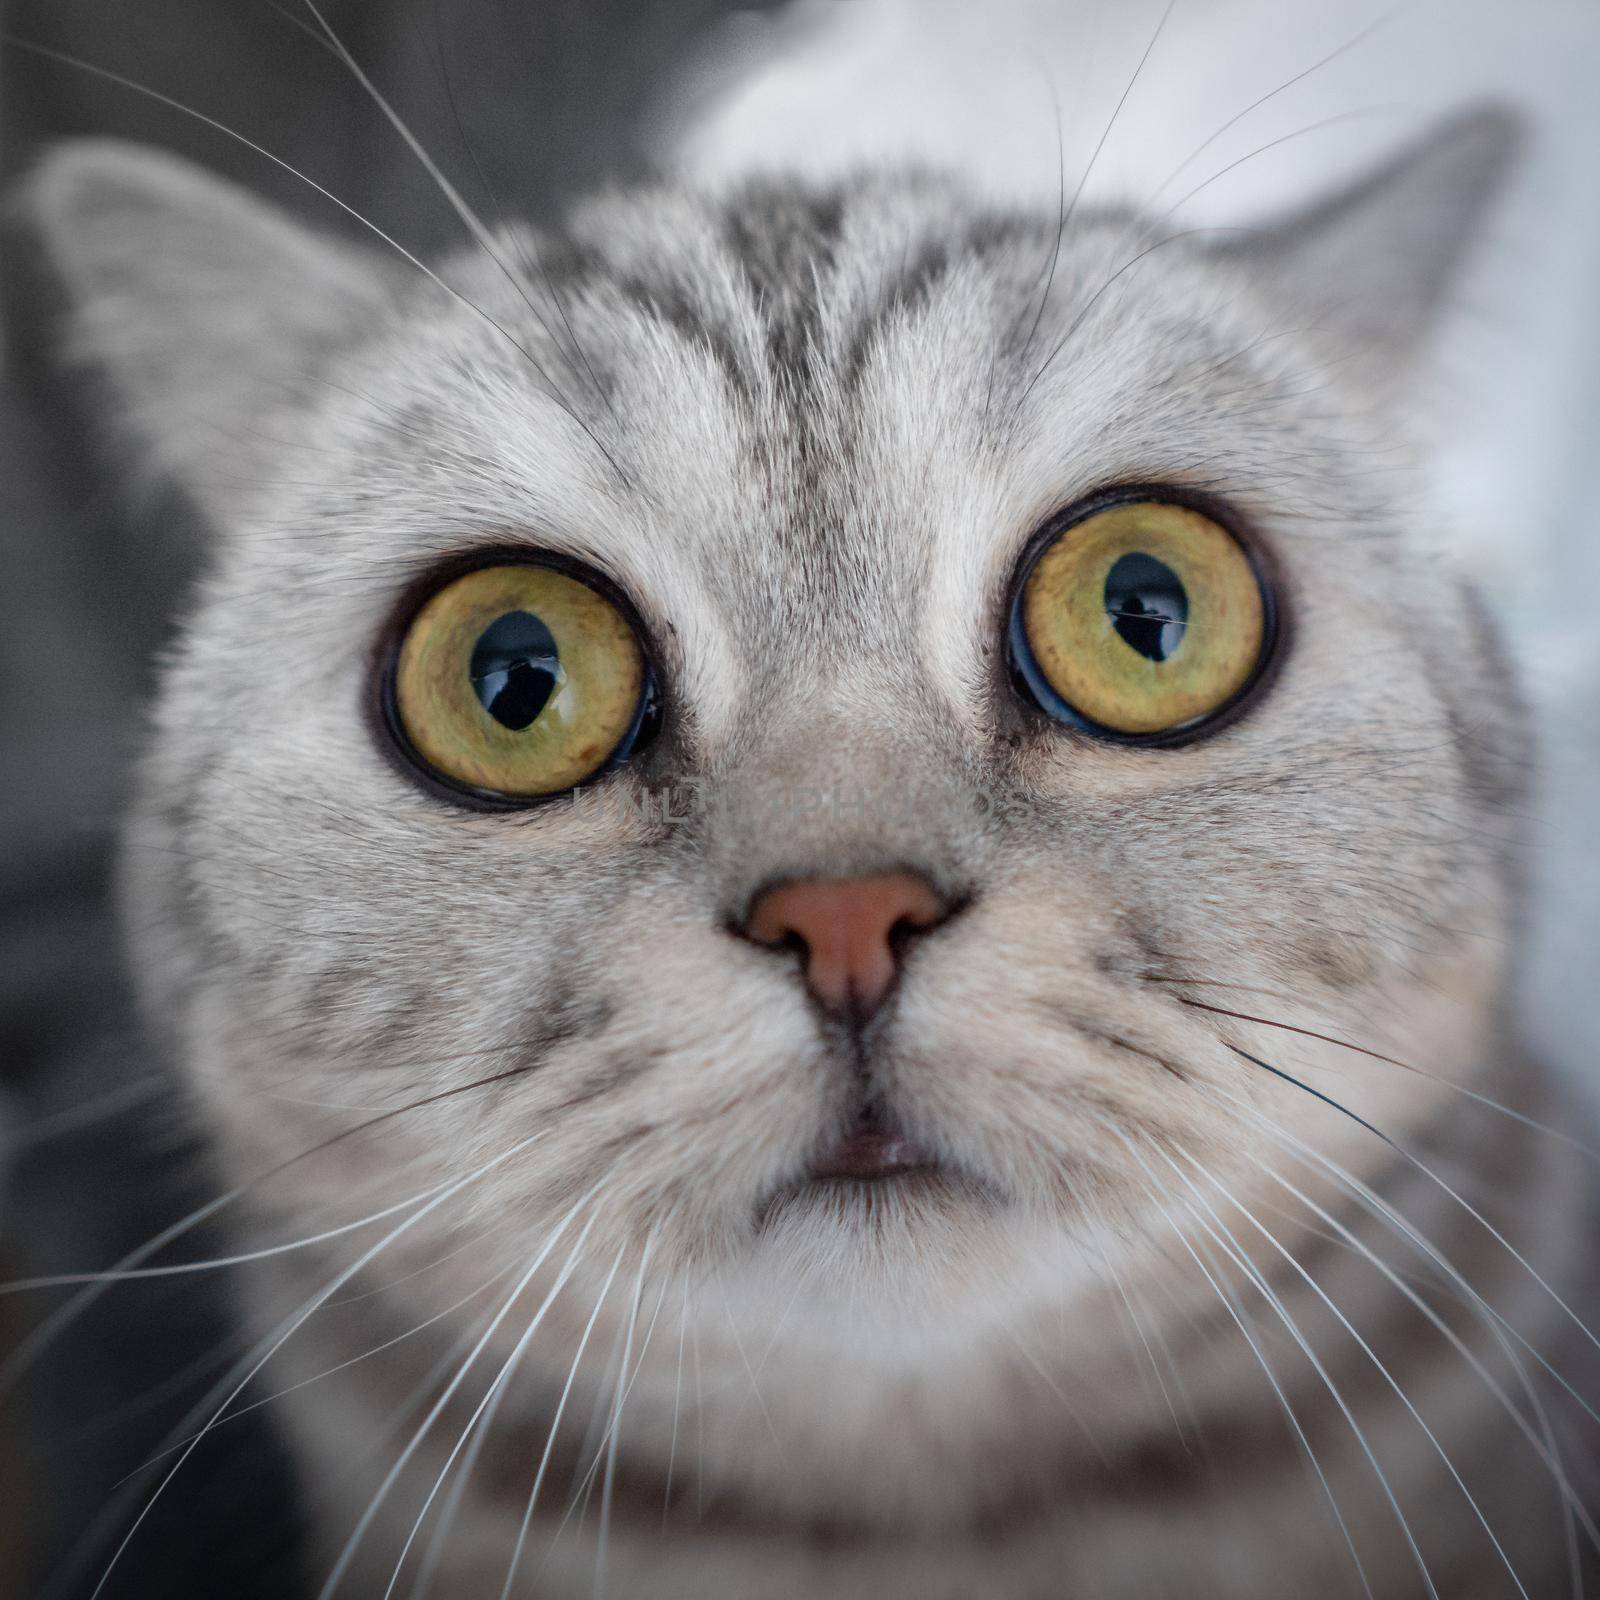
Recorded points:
(906, 1193)
(910, 1224)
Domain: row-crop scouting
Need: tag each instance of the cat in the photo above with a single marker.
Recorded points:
(836, 887)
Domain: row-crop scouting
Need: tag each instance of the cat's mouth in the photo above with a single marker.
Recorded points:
(874, 1169)
(872, 1150)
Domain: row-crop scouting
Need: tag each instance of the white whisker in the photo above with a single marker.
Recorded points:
(1499, 1329)
(677, 1406)
(615, 1430)
(555, 1424)
(469, 219)
(478, 1427)
(1381, 1208)
(347, 1554)
(1350, 1328)
(294, 1323)
(1159, 1194)
(1229, 1244)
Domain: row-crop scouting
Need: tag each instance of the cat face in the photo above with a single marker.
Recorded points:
(807, 446)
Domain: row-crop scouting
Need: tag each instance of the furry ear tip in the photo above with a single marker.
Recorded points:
(1457, 165)
(87, 183)
(1376, 261)
(82, 170)
(1495, 122)
(1490, 138)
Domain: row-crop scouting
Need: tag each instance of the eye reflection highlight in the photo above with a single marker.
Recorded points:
(515, 668)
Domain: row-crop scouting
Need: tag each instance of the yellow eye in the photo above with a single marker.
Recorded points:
(1140, 620)
(519, 680)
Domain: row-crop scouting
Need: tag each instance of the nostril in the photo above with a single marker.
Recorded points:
(852, 932)
(770, 921)
(907, 927)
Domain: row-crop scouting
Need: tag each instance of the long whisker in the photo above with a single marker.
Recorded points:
(1197, 1329)
(555, 1425)
(1533, 1123)
(28, 1349)
(1068, 209)
(1501, 1329)
(32, 47)
(1108, 1266)
(1074, 1413)
(294, 1323)
(328, 1372)
(598, 1447)
(1316, 1288)
(1574, 1511)
(391, 1426)
(699, 1423)
(1077, 322)
(530, 264)
(469, 218)
(176, 1384)
(1434, 1178)
(624, 1382)
(1049, 277)
(1545, 1447)
(1159, 1195)
(481, 1422)
(217, 1263)
(1205, 144)
(592, 1448)
(21, 1136)
(1116, 114)
(738, 1344)
(1372, 1201)
(677, 1406)
(1229, 1244)
(437, 1543)
(347, 1554)
(1272, 144)
(622, 1371)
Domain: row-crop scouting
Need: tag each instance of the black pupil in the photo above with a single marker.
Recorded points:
(514, 668)
(1146, 602)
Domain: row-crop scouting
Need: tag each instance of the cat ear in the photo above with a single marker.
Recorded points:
(204, 307)
(1374, 262)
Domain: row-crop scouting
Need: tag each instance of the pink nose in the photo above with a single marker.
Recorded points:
(851, 931)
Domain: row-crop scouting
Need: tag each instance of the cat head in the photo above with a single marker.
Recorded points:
(755, 689)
